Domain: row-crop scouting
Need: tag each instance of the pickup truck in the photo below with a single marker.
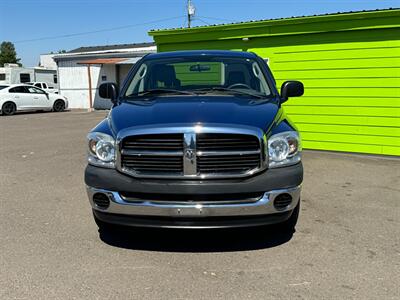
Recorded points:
(44, 86)
(196, 139)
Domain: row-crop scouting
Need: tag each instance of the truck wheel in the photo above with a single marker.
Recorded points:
(8, 109)
(58, 106)
(290, 224)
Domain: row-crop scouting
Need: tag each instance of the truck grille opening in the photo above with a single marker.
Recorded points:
(227, 163)
(156, 142)
(153, 154)
(209, 154)
(231, 153)
(151, 163)
(227, 142)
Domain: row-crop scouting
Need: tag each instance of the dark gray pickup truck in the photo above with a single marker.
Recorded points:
(196, 139)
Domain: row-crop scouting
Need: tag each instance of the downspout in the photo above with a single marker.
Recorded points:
(90, 89)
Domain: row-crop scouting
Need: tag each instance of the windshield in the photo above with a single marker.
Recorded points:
(198, 75)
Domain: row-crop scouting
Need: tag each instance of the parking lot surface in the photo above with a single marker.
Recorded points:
(347, 243)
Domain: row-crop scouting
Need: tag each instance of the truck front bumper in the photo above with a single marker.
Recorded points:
(185, 214)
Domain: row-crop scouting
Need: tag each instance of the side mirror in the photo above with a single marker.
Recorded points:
(109, 90)
(291, 89)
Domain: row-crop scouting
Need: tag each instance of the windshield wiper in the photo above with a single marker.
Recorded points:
(154, 92)
(223, 89)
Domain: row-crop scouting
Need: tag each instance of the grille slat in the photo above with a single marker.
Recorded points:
(224, 169)
(228, 158)
(153, 168)
(251, 164)
(178, 164)
(153, 158)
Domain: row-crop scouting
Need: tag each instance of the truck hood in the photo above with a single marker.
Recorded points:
(191, 110)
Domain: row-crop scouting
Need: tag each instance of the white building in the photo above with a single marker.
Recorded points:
(47, 61)
(81, 71)
(13, 74)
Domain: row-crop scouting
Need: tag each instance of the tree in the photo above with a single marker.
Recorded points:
(8, 55)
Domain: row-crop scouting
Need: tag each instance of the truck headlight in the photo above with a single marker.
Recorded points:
(284, 149)
(101, 150)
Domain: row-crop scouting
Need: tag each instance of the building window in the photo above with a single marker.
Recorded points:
(103, 78)
(55, 78)
(24, 77)
(2, 76)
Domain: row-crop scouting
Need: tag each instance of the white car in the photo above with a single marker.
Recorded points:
(22, 97)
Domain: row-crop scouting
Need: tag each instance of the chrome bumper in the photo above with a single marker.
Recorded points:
(263, 206)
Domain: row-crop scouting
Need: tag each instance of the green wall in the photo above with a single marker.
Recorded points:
(349, 64)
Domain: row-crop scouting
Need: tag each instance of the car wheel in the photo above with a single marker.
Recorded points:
(8, 109)
(58, 106)
(290, 224)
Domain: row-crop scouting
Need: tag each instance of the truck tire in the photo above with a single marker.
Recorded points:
(103, 226)
(290, 224)
(8, 109)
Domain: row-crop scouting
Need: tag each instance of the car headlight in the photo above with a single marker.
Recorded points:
(101, 150)
(284, 149)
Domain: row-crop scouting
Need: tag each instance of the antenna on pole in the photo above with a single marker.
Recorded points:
(191, 10)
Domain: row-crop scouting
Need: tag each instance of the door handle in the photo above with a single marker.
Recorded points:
(16, 97)
(35, 98)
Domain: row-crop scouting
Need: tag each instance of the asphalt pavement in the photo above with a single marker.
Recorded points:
(346, 246)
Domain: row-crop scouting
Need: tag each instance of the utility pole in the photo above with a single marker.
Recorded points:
(190, 12)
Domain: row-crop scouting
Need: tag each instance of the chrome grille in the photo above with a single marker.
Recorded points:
(227, 153)
(191, 155)
(153, 154)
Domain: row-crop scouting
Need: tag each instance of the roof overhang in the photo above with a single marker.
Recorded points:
(102, 61)
(105, 54)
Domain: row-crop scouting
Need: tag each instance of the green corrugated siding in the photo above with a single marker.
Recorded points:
(351, 78)
(352, 94)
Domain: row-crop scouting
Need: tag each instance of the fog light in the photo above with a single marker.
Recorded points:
(282, 201)
(101, 200)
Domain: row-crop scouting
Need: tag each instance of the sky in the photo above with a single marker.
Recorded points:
(43, 26)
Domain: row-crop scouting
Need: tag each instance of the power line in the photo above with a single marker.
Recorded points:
(96, 31)
(219, 19)
(201, 20)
